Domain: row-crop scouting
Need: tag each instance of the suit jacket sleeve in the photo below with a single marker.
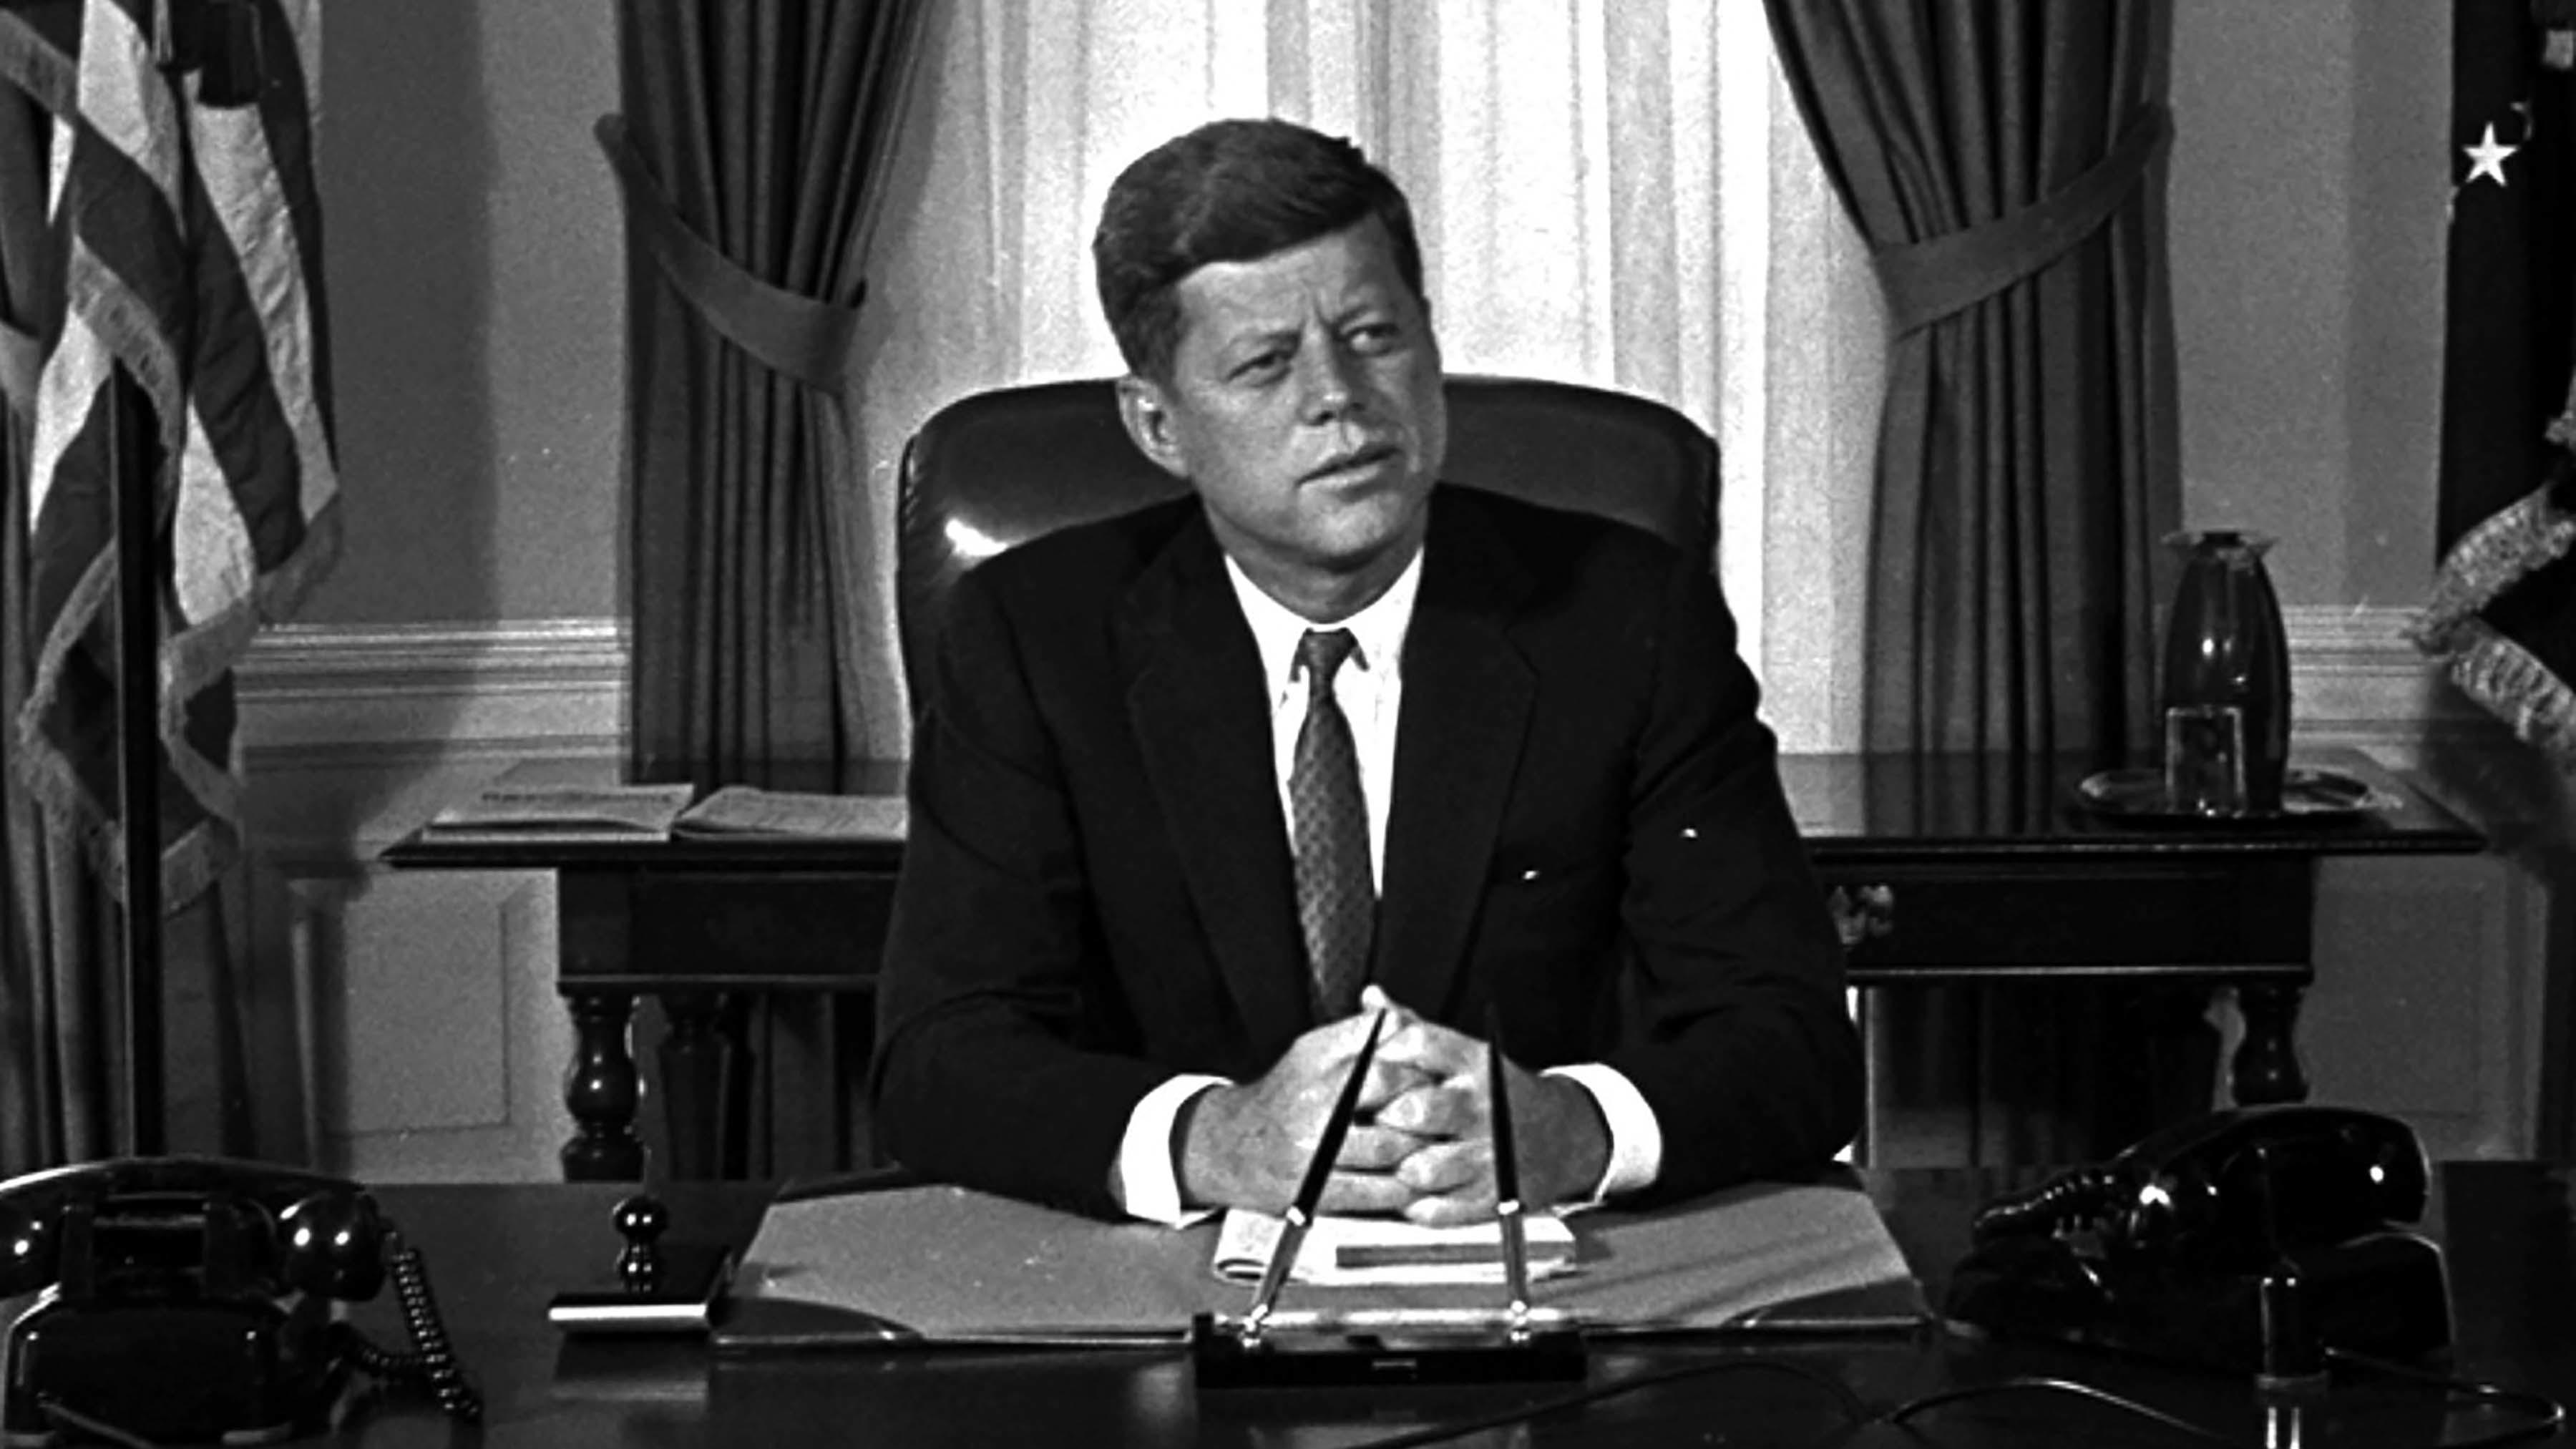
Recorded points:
(1744, 1044)
(989, 1067)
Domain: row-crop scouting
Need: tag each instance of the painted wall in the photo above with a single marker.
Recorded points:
(476, 292)
(471, 242)
(2308, 184)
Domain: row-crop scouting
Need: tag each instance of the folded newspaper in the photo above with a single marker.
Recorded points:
(1346, 1252)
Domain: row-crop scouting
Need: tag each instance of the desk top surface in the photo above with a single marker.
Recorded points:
(497, 1253)
(1849, 807)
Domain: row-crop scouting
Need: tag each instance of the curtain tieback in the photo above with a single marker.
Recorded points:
(807, 340)
(1928, 280)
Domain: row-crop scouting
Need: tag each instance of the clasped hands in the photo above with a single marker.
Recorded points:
(1420, 1145)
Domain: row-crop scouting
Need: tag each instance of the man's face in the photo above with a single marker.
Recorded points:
(1305, 407)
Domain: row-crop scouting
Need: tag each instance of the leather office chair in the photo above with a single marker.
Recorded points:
(1001, 467)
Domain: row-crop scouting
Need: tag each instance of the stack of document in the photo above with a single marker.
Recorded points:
(1350, 1252)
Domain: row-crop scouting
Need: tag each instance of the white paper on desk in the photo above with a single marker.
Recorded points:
(1354, 1252)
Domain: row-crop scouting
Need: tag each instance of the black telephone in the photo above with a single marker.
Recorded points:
(187, 1300)
(2253, 1239)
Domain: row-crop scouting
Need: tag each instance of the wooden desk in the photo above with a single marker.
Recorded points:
(495, 1254)
(1942, 869)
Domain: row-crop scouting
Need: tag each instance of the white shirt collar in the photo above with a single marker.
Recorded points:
(1378, 628)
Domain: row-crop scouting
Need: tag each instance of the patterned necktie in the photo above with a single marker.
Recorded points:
(1336, 900)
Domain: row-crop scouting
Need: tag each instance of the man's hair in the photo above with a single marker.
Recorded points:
(1230, 191)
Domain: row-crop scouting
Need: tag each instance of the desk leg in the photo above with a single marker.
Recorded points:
(703, 1060)
(602, 1090)
(2266, 1067)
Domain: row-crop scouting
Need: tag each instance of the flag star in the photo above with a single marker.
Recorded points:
(2487, 158)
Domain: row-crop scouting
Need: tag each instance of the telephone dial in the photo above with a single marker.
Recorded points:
(188, 1300)
(2253, 1239)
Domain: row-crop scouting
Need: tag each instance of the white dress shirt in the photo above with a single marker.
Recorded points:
(1370, 689)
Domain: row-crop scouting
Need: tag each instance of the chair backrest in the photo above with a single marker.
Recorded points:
(999, 468)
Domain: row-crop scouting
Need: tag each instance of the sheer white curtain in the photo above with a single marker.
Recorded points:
(1609, 191)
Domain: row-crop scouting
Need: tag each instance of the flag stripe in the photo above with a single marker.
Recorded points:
(122, 99)
(254, 342)
(207, 535)
(288, 113)
(64, 389)
(230, 386)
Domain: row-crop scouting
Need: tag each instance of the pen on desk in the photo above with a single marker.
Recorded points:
(1507, 1178)
(1310, 1193)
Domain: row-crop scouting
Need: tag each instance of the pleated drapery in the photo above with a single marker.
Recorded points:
(2005, 161)
(750, 153)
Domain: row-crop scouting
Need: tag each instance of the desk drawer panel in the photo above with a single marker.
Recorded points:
(1930, 920)
(787, 928)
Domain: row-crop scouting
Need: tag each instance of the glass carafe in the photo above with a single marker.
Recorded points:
(2225, 691)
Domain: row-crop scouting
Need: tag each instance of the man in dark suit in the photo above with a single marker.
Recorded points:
(1202, 793)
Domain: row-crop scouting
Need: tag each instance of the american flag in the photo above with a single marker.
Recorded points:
(184, 223)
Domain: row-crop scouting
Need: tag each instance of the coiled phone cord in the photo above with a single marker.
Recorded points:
(2075, 1199)
(432, 1361)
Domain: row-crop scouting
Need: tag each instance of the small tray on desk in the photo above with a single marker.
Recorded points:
(2308, 797)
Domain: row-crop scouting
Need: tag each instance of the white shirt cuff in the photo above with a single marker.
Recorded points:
(1148, 1174)
(1636, 1138)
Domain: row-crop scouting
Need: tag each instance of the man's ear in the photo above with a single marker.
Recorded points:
(1148, 416)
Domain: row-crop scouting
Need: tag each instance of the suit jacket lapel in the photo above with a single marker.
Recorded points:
(1201, 720)
(1467, 697)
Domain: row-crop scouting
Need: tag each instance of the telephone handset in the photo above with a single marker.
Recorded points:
(207, 1282)
(2228, 1190)
(2255, 1238)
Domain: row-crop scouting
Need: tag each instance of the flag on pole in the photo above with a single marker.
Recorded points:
(182, 212)
(2502, 613)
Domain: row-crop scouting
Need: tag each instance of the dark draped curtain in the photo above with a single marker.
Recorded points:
(2005, 161)
(750, 149)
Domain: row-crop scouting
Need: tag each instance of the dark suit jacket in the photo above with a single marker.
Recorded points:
(1097, 891)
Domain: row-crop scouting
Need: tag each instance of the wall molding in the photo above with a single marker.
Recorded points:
(348, 694)
(2356, 679)
(550, 686)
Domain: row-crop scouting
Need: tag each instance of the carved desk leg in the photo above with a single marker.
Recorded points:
(703, 1060)
(602, 1090)
(2266, 1066)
